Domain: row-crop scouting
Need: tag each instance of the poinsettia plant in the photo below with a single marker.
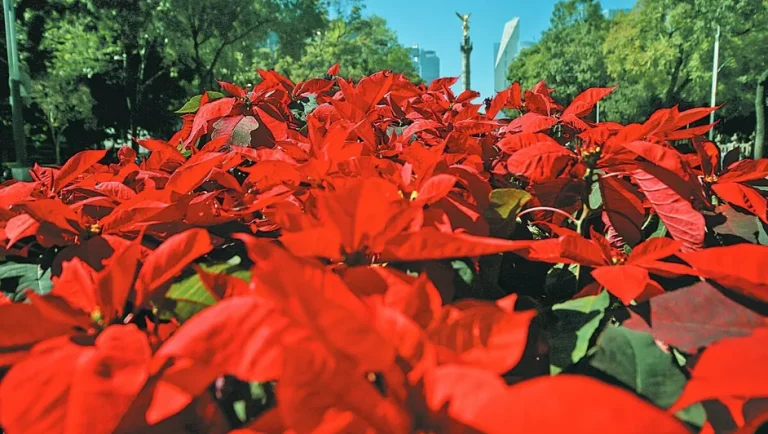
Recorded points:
(380, 256)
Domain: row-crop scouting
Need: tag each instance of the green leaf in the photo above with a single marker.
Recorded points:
(654, 227)
(506, 203)
(193, 104)
(254, 403)
(16, 278)
(464, 271)
(635, 360)
(189, 296)
(595, 197)
(577, 321)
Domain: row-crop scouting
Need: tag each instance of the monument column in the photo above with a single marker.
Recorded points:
(466, 49)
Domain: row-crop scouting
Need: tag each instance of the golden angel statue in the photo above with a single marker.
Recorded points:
(465, 20)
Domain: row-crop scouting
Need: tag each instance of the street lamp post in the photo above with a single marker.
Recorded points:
(715, 70)
(14, 81)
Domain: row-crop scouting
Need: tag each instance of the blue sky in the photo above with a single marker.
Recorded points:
(434, 26)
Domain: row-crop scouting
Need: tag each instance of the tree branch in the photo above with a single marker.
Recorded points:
(208, 76)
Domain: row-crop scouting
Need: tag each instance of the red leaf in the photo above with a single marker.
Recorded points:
(436, 188)
(741, 268)
(530, 123)
(312, 86)
(481, 334)
(24, 325)
(541, 162)
(627, 282)
(568, 249)
(420, 125)
(709, 155)
(317, 298)
(529, 407)
(298, 303)
(189, 176)
(420, 301)
(53, 211)
(320, 394)
(15, 193)
(512, 143)
(115, 190)
(687, 133)
(75, 166)
(57, 387)
(451, 394)
(746, 171)
(676, 212)
(206, 113)
(218, 341)
(333, 70)
(508, 98)
(694, 317)
(743, 196)
(583, 103)
(442, 83)
(169, 259)
(361, 211)
(236, 91)
(624, 206)
(429, 244)
(114, 284)
(76, 285)
(222, 285)
(654, 249)
(318, 242)
(693, 115)
(155, 145)
(659, 155)
(732, 368)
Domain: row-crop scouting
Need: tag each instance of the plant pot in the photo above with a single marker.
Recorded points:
(21, 173)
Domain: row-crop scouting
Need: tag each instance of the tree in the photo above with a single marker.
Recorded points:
(140, 59)
(77, 48)
(362, 45)
(759, 150)
(660, 54)
(569, 55)
(219, 38)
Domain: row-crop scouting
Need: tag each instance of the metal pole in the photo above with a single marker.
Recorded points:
(598, 113)
(14, 81)
(715, 70)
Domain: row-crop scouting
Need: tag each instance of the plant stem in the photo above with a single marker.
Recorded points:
(547, 208)
(585, 209)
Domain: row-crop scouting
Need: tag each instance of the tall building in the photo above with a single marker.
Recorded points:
(505, 52)
(427, 63)
(430, 66)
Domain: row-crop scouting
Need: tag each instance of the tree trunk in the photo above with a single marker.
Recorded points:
(56, 146)
(54, 139)
(759, 149)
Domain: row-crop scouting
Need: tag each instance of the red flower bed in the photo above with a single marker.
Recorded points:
(332, 256)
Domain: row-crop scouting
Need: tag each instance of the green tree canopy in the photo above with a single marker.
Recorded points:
(362, 45)
(138, 60)
(659, 54)
(569, 55)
